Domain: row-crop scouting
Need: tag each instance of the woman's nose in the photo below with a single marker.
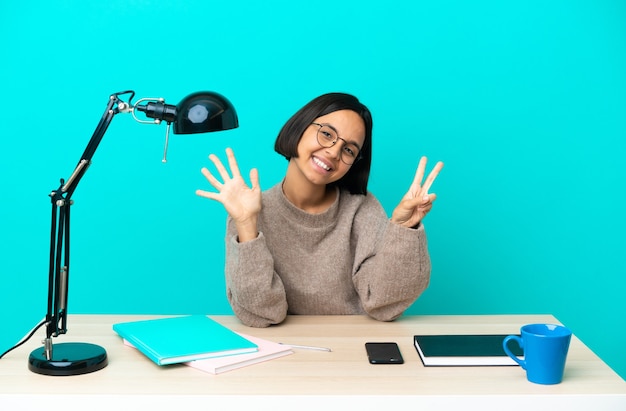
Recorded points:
(335, 150)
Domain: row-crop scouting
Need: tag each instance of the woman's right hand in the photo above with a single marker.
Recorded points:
(242, 203)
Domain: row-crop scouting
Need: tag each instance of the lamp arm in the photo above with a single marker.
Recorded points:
(114, 106)
(59, 268)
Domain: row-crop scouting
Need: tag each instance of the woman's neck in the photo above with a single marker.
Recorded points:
(309, 197)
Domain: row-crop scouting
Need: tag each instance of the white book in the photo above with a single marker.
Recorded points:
(268, 350)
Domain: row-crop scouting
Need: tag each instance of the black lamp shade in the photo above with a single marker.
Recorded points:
(203, 112)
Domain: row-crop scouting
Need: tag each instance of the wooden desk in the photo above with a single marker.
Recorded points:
(311, 379)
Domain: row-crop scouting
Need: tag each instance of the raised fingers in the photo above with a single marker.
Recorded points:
(219, 166)
(232, 162)
(415, 188)
(431, 177)
(207, 194)
(210, 178)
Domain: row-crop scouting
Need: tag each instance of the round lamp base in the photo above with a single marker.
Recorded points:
(68, 359)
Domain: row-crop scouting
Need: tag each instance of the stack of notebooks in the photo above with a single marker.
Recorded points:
(198, 342)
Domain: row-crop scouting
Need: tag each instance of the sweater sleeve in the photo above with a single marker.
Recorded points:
(392, 270)
(255, 292)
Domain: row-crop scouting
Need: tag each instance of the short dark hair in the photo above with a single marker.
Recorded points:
(355, 180)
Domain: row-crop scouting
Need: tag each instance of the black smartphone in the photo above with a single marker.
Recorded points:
(383, 353)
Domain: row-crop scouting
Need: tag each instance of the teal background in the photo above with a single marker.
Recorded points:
(525, 101)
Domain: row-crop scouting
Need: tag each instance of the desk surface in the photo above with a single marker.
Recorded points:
(343, 372)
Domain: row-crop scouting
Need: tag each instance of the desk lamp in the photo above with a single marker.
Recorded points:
(197, 113)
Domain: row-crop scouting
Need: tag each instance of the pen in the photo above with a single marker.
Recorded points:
(308, 347)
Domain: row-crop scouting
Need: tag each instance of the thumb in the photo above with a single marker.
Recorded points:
(254, 178)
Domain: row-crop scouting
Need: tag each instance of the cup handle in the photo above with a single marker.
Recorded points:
(520, 342)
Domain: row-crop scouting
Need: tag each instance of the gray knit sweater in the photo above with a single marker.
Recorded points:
(350, 259)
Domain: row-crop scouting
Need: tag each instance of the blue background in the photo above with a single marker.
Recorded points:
(525, 101)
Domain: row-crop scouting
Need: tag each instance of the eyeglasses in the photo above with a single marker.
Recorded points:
(328, 137)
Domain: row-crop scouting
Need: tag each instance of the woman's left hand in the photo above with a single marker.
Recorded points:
(417, 202)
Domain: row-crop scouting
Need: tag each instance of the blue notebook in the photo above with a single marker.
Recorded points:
(175, 340)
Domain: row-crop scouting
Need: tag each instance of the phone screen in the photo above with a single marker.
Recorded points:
(383, 353)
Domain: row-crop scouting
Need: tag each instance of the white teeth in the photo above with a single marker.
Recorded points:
(321, 164)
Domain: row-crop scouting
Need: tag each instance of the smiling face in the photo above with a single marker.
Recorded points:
(323, 165)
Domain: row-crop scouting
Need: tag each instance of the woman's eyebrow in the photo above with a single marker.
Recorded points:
(347, 141)
(330, 125)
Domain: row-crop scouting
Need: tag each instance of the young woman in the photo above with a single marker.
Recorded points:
(319, 242)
